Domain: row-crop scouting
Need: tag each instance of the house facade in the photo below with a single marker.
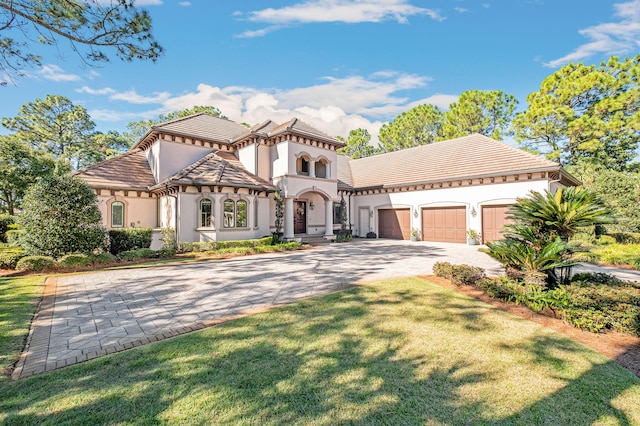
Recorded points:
(211, 179)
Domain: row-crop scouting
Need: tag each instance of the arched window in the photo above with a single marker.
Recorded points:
(302, 166)
(241, 214)
(321, 169)
(205, 213)
(229, 213)
(117, 214)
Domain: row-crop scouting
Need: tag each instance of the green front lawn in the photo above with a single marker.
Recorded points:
(18, 298)
(396, 352)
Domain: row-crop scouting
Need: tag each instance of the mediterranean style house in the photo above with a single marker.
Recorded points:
(213, 179)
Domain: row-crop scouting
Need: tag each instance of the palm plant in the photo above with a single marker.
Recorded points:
(536, 244)
(561, 213)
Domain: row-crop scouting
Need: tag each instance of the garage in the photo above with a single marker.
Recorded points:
(444, 224)
(494, 218)
(394, 223)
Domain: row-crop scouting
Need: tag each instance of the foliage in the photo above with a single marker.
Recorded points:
(75, 260)
(60, 215)
(459, 274)
(343, 236)
(473, 234)
(279, 214)
(626, 237)
(13, 236)
(585, 112)
(619, 189)
(36, 263)
(9, 256)
(141, 253)
(207, 246)
(20, 166)
(616, 254)
(102, 258)
(343, 214)
(598, 303)
(536, 246)
(169, 238)
(5, 221)
(486, 112)
(537, 299)
(418, 126)
(560, 214)
(358, 145)
(129, 239)
(89, 27)
(64, 130)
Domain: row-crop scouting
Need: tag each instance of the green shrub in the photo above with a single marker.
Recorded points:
(146, 253)
(604, 240)
(499, 288)
(6, 220)
(104, 258)
(265, 241)
(13, 236)
(36, 264)
(466, 275)
(443, 269)
(60, 215)
(9, 257)
(626, 237)
(166, 252)
(75, 260)
(129, 255)
(126, 239)
(590, 278)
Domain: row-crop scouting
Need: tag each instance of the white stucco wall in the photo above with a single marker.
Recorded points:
(470, 197)
(141, 211)
(167, 158)
(189, 216)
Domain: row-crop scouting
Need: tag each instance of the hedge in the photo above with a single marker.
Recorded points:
(36, 263)
(5, 221)
(128, 239)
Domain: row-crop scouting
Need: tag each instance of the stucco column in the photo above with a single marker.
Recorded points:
(312, 168)
(288, 218)
(328, 218)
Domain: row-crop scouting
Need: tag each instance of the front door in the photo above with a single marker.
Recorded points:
(300, 218)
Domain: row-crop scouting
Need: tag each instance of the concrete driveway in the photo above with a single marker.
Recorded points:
(85, 316)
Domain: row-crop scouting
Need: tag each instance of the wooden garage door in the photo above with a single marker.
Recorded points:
(444, 224)
(394, 223)
(494, 218)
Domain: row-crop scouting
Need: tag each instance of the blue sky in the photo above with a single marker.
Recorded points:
(335, 64)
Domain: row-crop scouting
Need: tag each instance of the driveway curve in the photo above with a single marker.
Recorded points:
(89, 315)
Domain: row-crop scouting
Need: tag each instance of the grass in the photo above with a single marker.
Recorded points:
(401, 351)
(18, 297)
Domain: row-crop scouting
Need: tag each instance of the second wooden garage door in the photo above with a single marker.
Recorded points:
(494, 218)
(444, 224)
(394, 223)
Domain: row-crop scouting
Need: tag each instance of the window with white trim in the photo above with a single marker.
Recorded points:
(117, 214)
(235, 213)
(205, 213)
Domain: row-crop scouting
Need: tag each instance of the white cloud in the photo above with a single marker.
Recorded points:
(335, 105)
(345, 11)
(90, 91)
(611, 38)
(55, 73)
(460, 9)
(185, 3)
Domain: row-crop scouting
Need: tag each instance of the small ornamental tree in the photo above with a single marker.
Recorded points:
(279, 211)
(60, 215)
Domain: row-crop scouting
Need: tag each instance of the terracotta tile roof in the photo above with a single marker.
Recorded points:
(127, 171)
(345, 181)
(218, 168)
(466, 157)
(296, 126)
(203, 126)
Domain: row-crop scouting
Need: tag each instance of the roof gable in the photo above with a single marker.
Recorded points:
(126, 171)
(218, 168)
